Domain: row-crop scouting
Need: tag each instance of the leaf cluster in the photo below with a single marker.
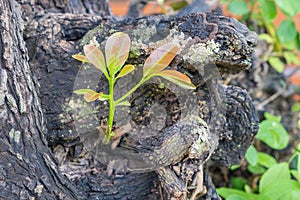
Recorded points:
(282, 40)
(278, 181)
(112, 65)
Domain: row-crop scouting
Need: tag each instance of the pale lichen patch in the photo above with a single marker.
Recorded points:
(38, 189)
(14, 135)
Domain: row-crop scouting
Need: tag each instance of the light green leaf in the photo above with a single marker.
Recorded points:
(103, 97)
(238, 8)
(125, 70)
(266, 160)
(159, 59)
(251, 156)
(177, 5)
(273, 134)
(238, 183)
(83, 91)
(286, 31)
(268, 9)
(266, 37)
(124, 103)
(289, 7)
(177, 77)
(81, 58)
(271, 117)
(257, 169)
(95, 56)
(276, 173)
(291, 57)
(226, 192)
(234, 167)
(276, 63)
(238, 197)
(296, 174)
(296, 107)
(89, 95)
(116, 51)
(280, 189)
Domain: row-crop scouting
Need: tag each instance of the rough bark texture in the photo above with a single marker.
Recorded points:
(28, 168)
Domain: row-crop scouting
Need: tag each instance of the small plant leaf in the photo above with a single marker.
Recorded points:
(88, 94)
(238, 7)
(286, 31)
(126, 70)
(266, 37)
(273, 134)
(251, 156)
(272, 175)
(160, 59)
(268, 9)
(266, 160)
(276, 63)
(116, 51)
(96, 57)
(289, 7)
(227, 192)
(81, 58)
(178, 78)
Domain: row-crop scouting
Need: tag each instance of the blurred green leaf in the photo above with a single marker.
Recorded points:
(289, 7)
(275, 174)
(238, 197)
(234, 167)
(238, 7)
(257, 169)
(271, 117)
(266, 160)
(295, 174)
(251, 156)
(266, 37)
(238, 183)
(226, 192)
(179, 5)
(297, 41)
(276, 63)
(286, 31)
(268, 9)
(280, 189)
(291, 57)
(273, 134)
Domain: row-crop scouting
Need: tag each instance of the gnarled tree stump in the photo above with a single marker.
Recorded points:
(219, 128)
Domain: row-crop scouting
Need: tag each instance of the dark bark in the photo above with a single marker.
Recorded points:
(51, 38)
(28, 169)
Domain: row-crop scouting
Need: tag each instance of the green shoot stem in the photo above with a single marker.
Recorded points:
(111, 109)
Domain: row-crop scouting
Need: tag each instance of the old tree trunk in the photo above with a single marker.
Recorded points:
(42, 153)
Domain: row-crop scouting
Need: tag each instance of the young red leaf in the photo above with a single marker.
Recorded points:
(116, 51)
(126, 70)
(81, 58)
(95, 56)
(160, 59)
(89, 95)
(178, 78)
